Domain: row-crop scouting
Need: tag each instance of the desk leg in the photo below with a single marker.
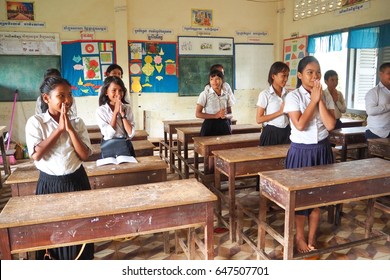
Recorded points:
(186, 168)
(171, 155)
(262, 222)
(196, 165)
(209, 232)
(289, 221)
(179, 160)
(370, 217)
(343, 153)
(5, 244)
(165, 147)
(217, 186)
(232, 203)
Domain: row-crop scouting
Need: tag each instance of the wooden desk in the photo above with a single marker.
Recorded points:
(204, 146)
(347, 136)
(6, 165)
(169, 131)
(379, 147)
(310, 187)
(32, 223)
(350, 122)
(93, 128)
(185, 135)
(142, 148)
(243, 162)
(150, 169)
(96, 137)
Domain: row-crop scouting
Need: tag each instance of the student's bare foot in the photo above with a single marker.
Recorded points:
(302, 246)
(311, 247)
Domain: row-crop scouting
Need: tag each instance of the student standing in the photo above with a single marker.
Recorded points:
(311, 118)
(59, 144)
(114, 115)
(332, 80)
(378, 106)
(214, 106)
(276, 129)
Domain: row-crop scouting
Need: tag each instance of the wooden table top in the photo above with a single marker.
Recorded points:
(138, 133)
(380, 141)
(349, 130)
(31, 173)
(252, 153)
(328, 175)
(225, 139)
(351, 121)
(111, 201)
(195, 130)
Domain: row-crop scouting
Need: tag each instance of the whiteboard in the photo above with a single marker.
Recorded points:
(252, 63)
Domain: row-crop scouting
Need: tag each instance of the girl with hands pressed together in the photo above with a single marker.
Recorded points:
(58, 142)
(311, 117)
(214, 106)
(114, 115)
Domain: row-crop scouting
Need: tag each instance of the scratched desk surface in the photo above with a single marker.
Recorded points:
(113, 201)
(30, 173)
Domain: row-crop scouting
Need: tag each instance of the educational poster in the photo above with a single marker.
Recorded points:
(84, 63)
(153, 66)
(294, 50)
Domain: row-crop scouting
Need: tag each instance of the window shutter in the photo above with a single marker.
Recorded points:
(365, 78)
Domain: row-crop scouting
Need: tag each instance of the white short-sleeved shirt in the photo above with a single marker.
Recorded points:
(271, 102)
(212, 102)
(298, 100)
(103, 119)
(339, 106)
(226, 87)
(378, 110)
(62, 158)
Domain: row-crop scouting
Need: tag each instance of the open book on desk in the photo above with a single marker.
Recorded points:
(117, 160)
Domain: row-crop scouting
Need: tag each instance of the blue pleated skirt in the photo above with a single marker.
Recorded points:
(306, 155)
(215, 127)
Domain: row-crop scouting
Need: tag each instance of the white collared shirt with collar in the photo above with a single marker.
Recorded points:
(103, 118)
(271, 102)
(212, 102)
(315, 131)
(377, 102)
(61, 159)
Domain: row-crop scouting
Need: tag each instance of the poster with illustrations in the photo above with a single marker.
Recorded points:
(294, 49)
(84, 63)
(153, 66)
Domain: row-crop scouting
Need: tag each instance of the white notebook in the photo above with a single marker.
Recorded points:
(117, 160)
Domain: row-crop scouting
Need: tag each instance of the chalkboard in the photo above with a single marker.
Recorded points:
(194, 72)
(25, 73)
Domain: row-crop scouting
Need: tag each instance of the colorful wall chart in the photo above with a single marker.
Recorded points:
(153, 66)
(84, 63)
(294, 49)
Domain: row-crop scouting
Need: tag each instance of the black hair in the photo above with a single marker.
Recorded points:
(51, 72)
(384, 66)
(330, 73)
(216, 73)
(277, 67)
(103, 98)
(48, 85)
(302, 65)
(113, 67)
(216, 67)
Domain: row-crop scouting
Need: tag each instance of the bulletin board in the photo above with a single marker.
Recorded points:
(84, 64)
(253, 62)
(294, 49)
(153, 66)
(24, 73)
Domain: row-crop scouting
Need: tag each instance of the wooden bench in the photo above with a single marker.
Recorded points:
(379, 147)
(93, 128)
(184, 139)
(310, 187)
(142, 148)
(242, 162)
(63, 219)
(345, 137)
(23, 181)
(204, 147)
(96, 137)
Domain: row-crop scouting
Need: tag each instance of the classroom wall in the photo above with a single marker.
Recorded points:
(121, 17)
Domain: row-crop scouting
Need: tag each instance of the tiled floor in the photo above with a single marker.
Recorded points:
(147, 247)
